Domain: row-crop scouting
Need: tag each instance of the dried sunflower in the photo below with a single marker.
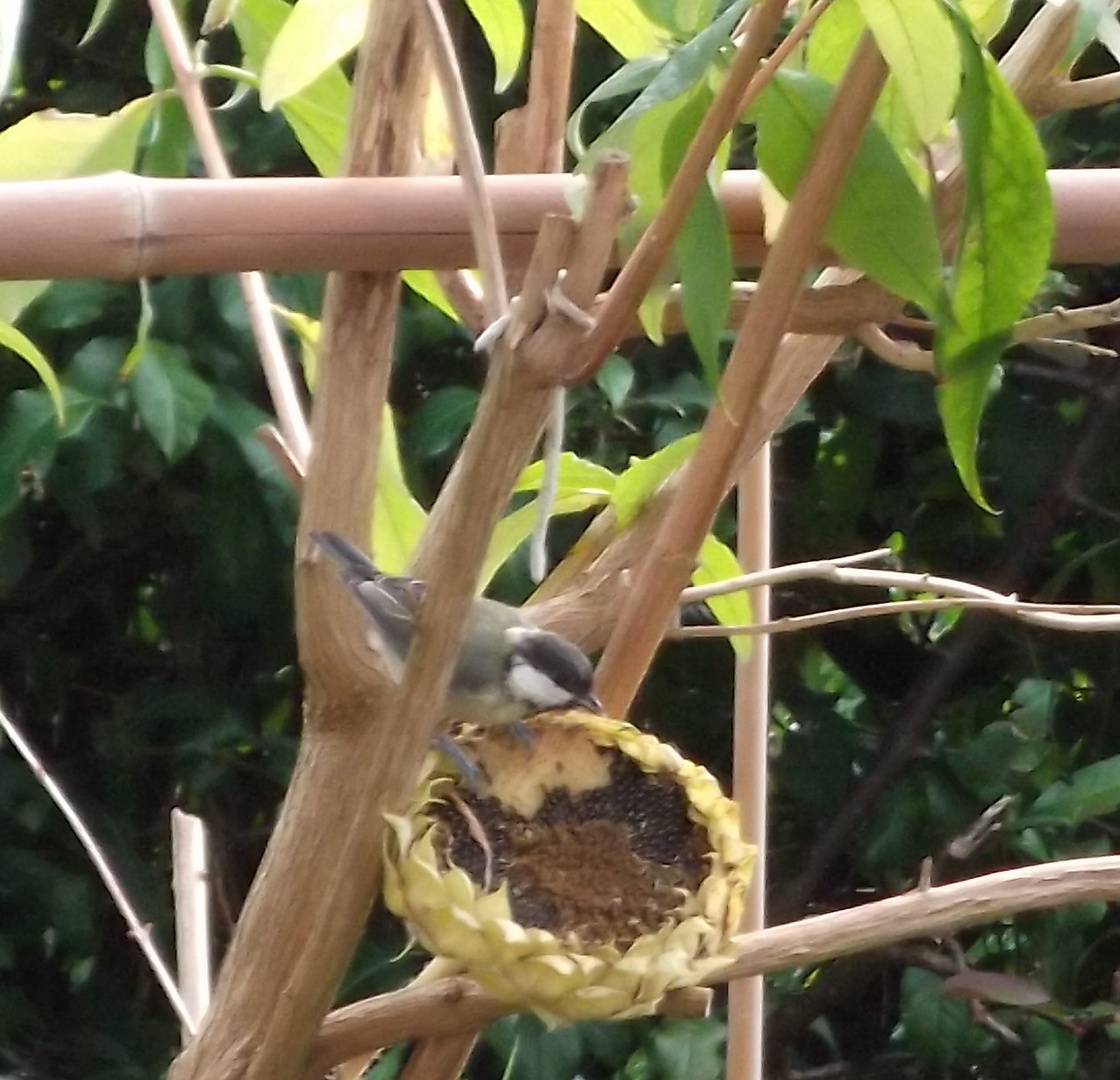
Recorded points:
(588, 875)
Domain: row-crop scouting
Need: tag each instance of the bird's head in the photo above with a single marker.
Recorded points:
(546, 672)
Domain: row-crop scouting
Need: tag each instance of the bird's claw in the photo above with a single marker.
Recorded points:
(468, 768)
(522, 733)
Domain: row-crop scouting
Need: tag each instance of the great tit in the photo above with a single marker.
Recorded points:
(507, 668)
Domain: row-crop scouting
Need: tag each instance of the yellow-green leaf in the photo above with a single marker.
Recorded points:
(50, 145)
(315, 35)
(398, 519)
(503, 25)
(718, 563)
(316, 113)
(917, 40)
(306, 329)
(425, 283)
(987, 16)
(577, 476)
(623, 26)
(517, 526)
(23, 346)
(645, 475)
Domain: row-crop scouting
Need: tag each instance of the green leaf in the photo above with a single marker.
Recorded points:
(96, 20)
(689, 1048)
(645, 475)
(623, 26)
(313, 37)
(1004, 250)
(23, 346)
(317, 114)
(503, 26)
(703, 251)
(939, 1030)
(171, 399)
(169, 142)
(398, 519)
(702, 247)
(881, 223)
(577, 476)
(517, 526)
(686, 66)
(718, 563)
(1090, 792)
(441, 421)
(29, 436)
(615, 378)
(1057, 1048)
(629, 79)
(49, 145)
(917, 40)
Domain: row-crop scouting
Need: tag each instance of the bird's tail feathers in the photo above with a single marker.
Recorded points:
(356, 565)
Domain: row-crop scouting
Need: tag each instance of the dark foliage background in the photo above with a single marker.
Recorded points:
(146, 646)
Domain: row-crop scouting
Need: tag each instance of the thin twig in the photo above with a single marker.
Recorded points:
(777, 575)
(468, 155)
(274, 362)
(901, 354)
(843, 573)
(140, 931)
(743, 81)
(890, 609)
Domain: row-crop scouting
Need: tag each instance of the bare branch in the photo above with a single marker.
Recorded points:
(707, 476)
(777, 575)
(274, 362)
(451, 1005)
(140, 931)
(1081, 618)
(641, 268)
(468, 155)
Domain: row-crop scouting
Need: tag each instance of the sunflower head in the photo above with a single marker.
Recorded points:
(588, 875)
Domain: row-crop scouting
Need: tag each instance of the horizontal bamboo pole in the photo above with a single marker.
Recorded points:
(122, 226)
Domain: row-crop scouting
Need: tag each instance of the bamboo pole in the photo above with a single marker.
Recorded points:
(119, 226)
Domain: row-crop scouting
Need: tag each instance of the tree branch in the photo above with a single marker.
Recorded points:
(452, 1005)
(322, 867)
(707, 476)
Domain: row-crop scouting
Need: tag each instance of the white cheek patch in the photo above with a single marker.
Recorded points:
(394, 664)
(535, 688)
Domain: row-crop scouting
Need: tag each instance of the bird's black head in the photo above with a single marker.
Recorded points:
(546, 671)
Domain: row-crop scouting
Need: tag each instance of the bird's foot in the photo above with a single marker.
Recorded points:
(522, 733)
(468, 768)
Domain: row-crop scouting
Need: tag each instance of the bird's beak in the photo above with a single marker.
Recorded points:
(592, 703)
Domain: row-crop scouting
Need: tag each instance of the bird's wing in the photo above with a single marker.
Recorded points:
(391, 603)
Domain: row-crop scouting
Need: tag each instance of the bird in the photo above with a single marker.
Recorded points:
(508, 669)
